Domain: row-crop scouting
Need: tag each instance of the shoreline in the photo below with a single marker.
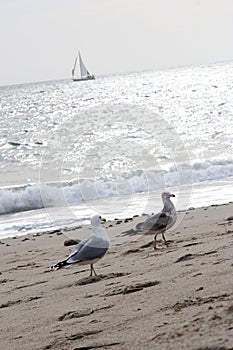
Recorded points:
(178, 297)
(80, 225)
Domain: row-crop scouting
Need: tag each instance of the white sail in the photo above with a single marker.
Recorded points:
(83, 69)
(79, 71)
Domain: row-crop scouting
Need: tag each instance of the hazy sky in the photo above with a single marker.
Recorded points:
(40, 38)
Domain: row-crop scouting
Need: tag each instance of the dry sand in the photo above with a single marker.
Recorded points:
(180, 297)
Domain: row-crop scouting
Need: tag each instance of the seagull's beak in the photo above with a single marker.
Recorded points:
(103, 220)
(172, 195)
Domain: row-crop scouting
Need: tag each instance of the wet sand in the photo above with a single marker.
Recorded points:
(180, 297)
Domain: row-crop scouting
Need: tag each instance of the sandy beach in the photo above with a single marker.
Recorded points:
(178, 297)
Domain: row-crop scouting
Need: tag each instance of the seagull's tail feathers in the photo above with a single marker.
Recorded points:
(60, 265)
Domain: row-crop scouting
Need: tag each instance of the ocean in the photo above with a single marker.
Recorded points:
(112, 145)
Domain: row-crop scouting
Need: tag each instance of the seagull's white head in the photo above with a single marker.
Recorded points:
(96, 220)
(168, 205)
(166, 195)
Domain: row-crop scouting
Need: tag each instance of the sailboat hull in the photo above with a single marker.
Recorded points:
(91, 77)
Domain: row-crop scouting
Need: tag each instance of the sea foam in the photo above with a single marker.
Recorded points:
(36, 196)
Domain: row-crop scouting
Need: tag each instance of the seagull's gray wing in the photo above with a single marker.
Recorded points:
(77, 248)
(157, 222)
(93, 248)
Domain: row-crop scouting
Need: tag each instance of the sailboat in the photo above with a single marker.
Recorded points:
(79, 71)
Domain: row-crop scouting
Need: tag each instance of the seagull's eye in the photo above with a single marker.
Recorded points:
(99, 217)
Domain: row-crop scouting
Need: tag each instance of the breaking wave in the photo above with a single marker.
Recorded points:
(37, 196)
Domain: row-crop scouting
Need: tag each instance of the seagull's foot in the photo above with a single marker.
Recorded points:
(157, 248)
(93, 274)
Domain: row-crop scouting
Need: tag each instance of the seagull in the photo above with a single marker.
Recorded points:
(88, 251)
(160, 222)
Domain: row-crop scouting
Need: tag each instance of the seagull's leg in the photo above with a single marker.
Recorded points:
(94, 270)
(164, 239)
(155, 242)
